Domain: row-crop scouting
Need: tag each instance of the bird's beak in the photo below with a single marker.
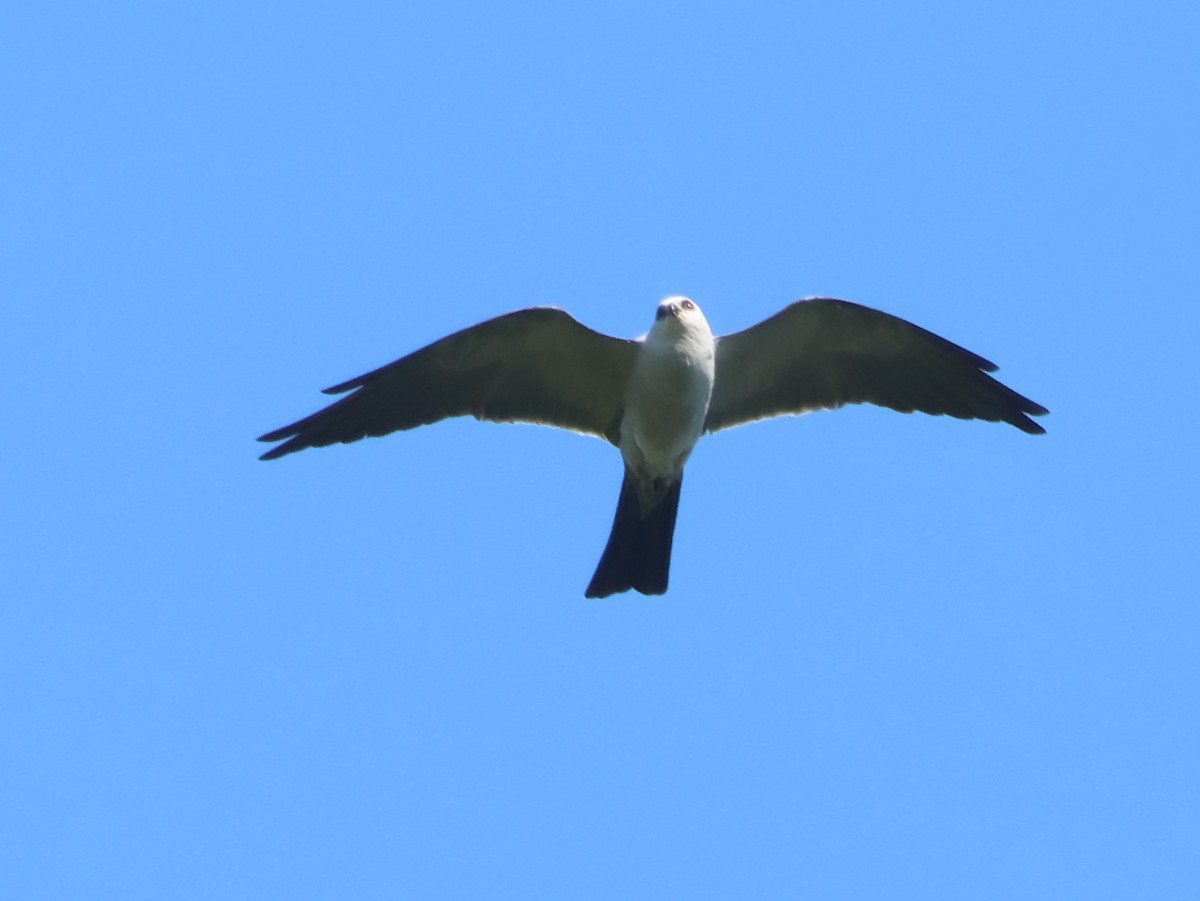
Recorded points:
(665, 310)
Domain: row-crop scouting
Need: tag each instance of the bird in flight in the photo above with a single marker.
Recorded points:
(653, 398)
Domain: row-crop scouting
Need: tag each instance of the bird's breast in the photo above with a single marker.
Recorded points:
(665, 408)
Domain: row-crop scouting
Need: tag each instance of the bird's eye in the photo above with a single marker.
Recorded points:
(688, 305)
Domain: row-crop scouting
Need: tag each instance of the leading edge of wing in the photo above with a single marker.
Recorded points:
(535, 365)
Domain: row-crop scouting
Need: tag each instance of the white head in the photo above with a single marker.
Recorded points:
(680, 313)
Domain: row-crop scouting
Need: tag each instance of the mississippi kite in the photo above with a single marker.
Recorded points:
(653, 398)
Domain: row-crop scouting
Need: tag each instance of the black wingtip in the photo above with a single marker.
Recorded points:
(1024, 423)
(277, 434)
(283, 449)
(275, 453)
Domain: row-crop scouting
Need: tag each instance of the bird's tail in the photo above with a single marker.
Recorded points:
(638, 553)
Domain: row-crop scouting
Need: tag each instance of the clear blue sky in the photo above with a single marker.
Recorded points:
(901, 656)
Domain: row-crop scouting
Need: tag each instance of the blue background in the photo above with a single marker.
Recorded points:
(901, 656)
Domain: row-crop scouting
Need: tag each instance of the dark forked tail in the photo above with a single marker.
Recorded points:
(638, 554)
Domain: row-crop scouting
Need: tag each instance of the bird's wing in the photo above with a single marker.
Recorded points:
(537, 365)
(823, 353)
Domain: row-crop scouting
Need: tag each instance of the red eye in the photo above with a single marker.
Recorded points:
(688, 305)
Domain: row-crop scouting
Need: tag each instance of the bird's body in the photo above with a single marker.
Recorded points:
(666, 403)
(668, 394)
(656, 397)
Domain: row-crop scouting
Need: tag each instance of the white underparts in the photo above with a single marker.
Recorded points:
(669, 391)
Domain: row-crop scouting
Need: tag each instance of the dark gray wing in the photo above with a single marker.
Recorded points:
(537, 365)
(823, 353)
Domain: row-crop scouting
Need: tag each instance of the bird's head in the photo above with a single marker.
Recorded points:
(681, 313)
